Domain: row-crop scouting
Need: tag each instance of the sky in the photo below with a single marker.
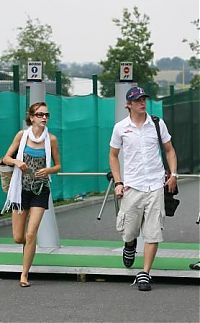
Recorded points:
(84, 28)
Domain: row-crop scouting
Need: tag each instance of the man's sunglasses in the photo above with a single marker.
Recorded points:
(42, 114)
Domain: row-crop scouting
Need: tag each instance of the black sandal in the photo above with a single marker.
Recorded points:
(129, 254)
(195, 266)
(142, 280)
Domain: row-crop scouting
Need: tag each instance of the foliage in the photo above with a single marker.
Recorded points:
(175, 63)
(133, 46)
(34, 43)
(195, 82)
(66, 83)
(195, 60)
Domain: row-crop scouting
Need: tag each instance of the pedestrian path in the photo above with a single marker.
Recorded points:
(100, 257)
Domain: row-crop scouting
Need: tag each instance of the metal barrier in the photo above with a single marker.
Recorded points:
(111, 182)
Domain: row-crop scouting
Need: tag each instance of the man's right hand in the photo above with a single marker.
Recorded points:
(119, 191)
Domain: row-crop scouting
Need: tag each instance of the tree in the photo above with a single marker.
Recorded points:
(172, 64)
(195, 60)
(164, 64)
(34, 43)
(133, 46)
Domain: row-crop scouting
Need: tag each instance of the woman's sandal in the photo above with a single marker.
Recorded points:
(24, 284)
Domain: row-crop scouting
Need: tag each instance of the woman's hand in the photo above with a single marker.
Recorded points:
(43, 172)
(21, 165)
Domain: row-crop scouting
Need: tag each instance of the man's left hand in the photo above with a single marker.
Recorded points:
(171, 183)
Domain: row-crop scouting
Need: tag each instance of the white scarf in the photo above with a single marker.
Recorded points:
(15, 188)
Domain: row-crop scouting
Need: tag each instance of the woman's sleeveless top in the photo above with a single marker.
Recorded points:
(35, 158)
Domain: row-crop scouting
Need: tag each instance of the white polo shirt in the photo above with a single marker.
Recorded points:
(143, 167)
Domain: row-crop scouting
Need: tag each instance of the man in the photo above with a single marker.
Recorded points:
(142, 192)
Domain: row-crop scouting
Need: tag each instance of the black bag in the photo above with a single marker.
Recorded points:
(171, 203)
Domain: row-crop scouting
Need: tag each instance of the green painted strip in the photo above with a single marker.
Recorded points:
(179, 245)
(92, 243)
(113, 244)
(160, 263)
(7, 241)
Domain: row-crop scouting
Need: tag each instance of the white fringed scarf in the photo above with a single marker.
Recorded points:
(15, 188)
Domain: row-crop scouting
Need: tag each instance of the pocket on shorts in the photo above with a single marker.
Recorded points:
(120, 221)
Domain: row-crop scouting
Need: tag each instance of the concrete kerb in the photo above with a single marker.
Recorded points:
(66, 207)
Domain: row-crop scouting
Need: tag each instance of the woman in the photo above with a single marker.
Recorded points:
(29, 189)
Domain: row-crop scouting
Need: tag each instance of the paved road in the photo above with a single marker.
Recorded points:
(61, 299)
(71, 301)
(82, 223)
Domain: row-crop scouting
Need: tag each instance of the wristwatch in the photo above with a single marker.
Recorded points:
(174, 175)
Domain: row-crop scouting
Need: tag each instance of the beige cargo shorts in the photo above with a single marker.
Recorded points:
(141, 212)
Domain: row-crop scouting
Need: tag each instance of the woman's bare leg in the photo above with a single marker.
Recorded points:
(19, 226)
(35, 217)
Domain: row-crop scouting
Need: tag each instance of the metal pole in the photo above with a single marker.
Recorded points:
(189, 175)
(191, 140)
(16, 89)
(48, 235)
(58, 83)
(16, 78)
(96, 107)
(105, 199)
(104, 174)
(94, 84)
(81, 174)
(172, 110)
(116, 204)
(111, 180)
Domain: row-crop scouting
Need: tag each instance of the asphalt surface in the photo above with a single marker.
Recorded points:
(82, 223)
(71, 301)
(61, 298)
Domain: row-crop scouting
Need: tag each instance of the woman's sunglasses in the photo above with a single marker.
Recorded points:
(42, 114)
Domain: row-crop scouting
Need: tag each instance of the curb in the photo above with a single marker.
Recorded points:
(62, 208)
(86, 202)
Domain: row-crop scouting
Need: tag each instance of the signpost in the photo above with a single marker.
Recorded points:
(126, 71)
(34, 71)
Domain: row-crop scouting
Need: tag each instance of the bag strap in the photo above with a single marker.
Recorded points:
(156, 119)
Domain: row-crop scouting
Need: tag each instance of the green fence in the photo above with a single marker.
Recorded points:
(181, 111)
(83, 126)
